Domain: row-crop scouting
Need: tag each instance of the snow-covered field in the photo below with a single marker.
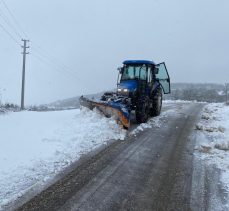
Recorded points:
(36, 146)
(213, 139)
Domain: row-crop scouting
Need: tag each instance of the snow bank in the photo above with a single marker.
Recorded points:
(35, 146)
(214, 125)
(213, 138)
(159, 120)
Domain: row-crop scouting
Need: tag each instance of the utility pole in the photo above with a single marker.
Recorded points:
(23, 72)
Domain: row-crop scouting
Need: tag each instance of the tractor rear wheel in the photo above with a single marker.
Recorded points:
(157, 104)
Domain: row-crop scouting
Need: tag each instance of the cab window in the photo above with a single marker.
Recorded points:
(134, 72)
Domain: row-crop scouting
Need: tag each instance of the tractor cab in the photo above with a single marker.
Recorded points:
(139, 77)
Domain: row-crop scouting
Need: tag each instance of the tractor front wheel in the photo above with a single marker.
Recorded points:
(142, 112)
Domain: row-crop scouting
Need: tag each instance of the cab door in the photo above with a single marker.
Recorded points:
(149, 81)
(162, 76)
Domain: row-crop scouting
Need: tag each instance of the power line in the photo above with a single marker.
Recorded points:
(38, 49)
(13, 18)
(44, 57)
(9, 34)
(52, 59)
(58, 69)
(54, 62)
(40, 54)
(7, 21)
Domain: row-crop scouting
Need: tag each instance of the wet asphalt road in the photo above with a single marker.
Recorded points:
(152, 171)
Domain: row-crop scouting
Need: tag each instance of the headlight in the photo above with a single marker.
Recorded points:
(123, 91)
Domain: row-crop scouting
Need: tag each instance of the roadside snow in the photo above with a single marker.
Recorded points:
(158, 121)
(35, 146)
(155, 121)
(214, 125)
(179, 101)
(213, 139)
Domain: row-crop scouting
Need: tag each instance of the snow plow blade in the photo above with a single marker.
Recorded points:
(109, 109)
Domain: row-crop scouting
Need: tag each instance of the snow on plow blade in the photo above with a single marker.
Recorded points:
(109, 109)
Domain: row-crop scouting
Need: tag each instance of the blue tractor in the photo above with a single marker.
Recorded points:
(140, 87)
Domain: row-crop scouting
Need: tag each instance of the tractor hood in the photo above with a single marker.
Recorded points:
(131, 85)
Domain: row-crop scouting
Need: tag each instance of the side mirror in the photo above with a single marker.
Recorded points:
(120, 69)
(156, 70)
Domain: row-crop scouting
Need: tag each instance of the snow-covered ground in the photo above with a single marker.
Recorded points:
(213, 139)
(152, 122)
(159, 120)
(36, 146)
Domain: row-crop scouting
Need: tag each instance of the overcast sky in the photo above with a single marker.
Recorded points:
(76, 46)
